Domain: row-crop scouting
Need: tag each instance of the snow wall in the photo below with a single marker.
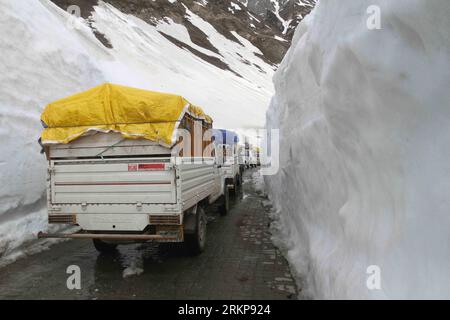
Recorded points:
(40, 63)
(364, 173)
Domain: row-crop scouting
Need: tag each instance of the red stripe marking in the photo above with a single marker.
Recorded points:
(109, 183)
(151, 166)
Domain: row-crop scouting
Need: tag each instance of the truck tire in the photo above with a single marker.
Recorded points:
(225, 202)
(104, 247)
(235, 186)
(196, 242)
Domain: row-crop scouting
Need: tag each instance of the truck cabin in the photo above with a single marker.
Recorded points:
(226, 144)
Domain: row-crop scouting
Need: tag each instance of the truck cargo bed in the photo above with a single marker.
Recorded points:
(114, 181)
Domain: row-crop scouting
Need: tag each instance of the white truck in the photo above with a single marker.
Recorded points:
(242, 160)
(120, 190)
(226, 143)
(254, 159)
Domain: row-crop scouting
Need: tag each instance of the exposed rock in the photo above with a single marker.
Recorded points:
(268, 24)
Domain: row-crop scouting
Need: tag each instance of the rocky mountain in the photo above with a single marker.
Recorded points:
(267, 24)
(285, 15)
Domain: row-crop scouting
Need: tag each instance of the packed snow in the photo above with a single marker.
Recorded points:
(364, 174)
(48, 54)
(39, 63)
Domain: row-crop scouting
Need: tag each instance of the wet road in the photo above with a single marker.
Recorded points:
(240, 262)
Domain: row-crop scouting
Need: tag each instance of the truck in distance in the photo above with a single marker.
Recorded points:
(226, 143)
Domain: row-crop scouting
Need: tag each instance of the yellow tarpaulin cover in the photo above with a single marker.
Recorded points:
(135, 113)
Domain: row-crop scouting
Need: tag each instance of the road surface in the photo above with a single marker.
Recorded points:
(240, 262)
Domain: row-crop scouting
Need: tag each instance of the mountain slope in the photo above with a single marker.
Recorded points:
(270, 32)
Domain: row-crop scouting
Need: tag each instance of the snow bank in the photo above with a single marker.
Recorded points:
(365, 146)
(38, 64)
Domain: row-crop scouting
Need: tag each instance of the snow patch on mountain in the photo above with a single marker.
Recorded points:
(276, 11)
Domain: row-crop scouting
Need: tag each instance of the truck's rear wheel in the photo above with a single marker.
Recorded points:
(225, 202)
(104, 247)
(240, 180)
(235, 186)
(196, 242)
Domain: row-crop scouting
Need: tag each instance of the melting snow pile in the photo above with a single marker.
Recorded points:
(365, 146)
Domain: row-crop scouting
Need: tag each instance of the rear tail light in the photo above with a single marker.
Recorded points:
(147, 167)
